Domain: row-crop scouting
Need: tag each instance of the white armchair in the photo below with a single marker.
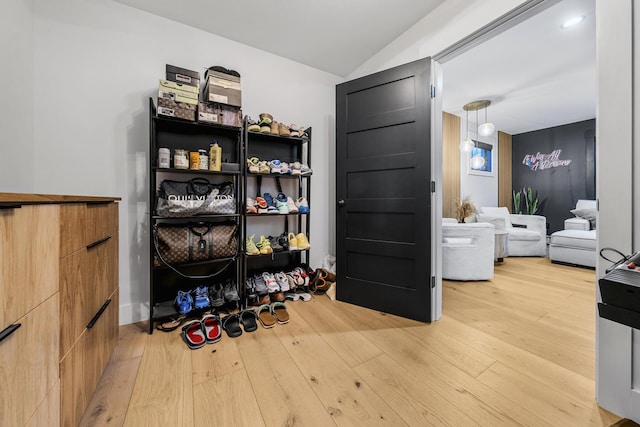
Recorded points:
(576, 244)
(527, 233)
(467, 250)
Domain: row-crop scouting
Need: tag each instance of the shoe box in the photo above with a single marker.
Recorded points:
(178, 92)
(219, 113)
(179, 110)
(222, 88)
(183, 76)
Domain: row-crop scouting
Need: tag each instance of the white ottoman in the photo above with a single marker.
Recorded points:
(574, 247)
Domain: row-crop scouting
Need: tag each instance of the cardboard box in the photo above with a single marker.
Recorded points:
(222, 89)
(178, 92)
(178, 110)
(220, 114)
(182, 75)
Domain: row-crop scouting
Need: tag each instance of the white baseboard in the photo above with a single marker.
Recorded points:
(132, 313)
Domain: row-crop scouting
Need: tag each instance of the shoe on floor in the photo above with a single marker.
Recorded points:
(281, 278)
(212, 328)
(193, 334)
(231, 292)
(216, 295)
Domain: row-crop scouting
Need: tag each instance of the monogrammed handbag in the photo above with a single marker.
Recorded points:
(178, 244)
(179, 199)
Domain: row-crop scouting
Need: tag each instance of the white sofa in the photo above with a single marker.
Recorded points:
(576, 244)
(527, 233)
(467, 250)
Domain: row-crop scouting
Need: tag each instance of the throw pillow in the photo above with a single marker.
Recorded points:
(588, 214)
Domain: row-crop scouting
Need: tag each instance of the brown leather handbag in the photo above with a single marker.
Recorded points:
(178, 244)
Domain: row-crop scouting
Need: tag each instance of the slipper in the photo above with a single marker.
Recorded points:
(172, 324)
(212, 328)
(231, 325)
(304, 296)
(248, 320)
(279, 310)
(266, 317)
(193, 334)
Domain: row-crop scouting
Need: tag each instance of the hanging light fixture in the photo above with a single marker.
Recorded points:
(487, 128)
(467, 145)
(477, 161)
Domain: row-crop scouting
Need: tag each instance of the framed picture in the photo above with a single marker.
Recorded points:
(481, 160)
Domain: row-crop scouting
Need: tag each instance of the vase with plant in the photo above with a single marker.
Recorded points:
(465, 210)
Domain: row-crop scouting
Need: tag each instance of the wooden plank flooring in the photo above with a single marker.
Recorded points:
(517, 350)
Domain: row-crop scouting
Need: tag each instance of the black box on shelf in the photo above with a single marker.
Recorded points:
(182, 75)
(179, 110)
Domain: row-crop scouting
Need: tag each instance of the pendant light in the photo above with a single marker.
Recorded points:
(487, 128)
(467, 145)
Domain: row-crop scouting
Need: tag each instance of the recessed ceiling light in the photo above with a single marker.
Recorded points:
(573, 21)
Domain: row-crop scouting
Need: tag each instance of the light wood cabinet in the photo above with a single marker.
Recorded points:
(59, 305)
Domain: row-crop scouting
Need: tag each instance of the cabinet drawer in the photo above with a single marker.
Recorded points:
(29, 363)
(48, 414)
(82, 367)
(29, 236)
(87, 278)
(83, 224)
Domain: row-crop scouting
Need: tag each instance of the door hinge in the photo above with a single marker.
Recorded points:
(433, 282)
(433, 186)
(433, 91)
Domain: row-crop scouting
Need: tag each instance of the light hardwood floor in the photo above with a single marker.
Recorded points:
(518, 350)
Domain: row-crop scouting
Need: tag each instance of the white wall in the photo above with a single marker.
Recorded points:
(16, 109)
(97, 64)
(483, 190)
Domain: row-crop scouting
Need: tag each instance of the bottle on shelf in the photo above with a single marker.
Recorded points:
(215, 157)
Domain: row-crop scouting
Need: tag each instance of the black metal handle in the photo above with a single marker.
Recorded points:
(341, 203)
(97, 242)
(10, 206)
(98, 314)
(99, 202)
(9, 330)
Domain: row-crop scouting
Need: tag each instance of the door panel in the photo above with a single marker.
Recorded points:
(383, 139)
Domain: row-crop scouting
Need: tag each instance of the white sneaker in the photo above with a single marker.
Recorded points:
(303, 205)
(284, 168)
(291, 205)
(305, 170)
(295, 168)
(275, 166)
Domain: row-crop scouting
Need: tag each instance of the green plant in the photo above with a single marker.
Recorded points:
(531, 200)
(516, 202)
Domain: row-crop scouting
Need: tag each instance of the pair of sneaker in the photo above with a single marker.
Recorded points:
(298, 242)
(262, 247)
(189, 300)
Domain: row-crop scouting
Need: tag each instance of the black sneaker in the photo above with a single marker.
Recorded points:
(231, 292)
(275, 245)
(283, 242)
(216, 297)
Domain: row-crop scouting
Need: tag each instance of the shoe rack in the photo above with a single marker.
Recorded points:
(267, 147)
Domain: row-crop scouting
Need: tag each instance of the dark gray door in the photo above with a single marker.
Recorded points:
(383, 166)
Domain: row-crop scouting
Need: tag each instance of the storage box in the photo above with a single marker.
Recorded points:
(179, 110)
(178, 92)
(222, 88)
(219, 113)
(182, 75)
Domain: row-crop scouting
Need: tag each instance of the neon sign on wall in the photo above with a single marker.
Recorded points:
(544, 161)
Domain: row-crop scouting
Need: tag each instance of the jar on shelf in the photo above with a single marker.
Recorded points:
(164, 158)
(180, 160)
(194, 160)
(204, 159)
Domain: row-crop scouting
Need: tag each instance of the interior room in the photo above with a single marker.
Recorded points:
(258, 218)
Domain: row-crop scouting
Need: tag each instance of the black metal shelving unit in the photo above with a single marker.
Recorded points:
(166, 132)
(286, 149)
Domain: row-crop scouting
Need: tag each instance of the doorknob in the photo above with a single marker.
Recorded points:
(341, 203)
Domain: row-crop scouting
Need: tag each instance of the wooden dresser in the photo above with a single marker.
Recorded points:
(58, 304)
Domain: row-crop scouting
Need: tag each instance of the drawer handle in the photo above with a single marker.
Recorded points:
(97, 243)
(98, 314)
(10, 206)
(9, 330)
(99, 202)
